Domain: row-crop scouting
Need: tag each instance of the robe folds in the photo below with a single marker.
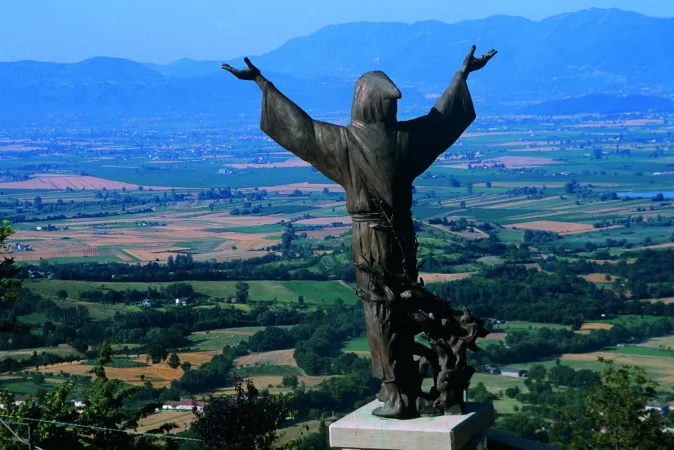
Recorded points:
(375, 159)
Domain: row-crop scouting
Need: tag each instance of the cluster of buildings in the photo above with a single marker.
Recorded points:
(51, 228)
(180, 405)
(183, 405)
(18, 247)
(151, 303)
(514, 373)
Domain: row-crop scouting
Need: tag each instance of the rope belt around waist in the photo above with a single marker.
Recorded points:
(379, 217)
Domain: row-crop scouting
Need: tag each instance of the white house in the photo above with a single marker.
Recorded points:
(515, 373)
(183, 301)
(183, 405)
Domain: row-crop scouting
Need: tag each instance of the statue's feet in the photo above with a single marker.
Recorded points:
(383, 394)
(391, 410)
(394, 407)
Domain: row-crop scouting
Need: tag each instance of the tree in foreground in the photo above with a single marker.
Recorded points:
(8, 270)
(616, 408)
(99, 424)
(247, 420)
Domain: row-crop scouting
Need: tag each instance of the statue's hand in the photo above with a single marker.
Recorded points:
(471, 63)
(250, 73)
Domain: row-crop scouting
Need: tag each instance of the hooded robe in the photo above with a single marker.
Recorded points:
(375, 159)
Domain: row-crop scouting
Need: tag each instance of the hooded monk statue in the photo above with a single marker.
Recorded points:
(376, 159)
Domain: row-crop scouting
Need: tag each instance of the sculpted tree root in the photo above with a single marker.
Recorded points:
(450, 333)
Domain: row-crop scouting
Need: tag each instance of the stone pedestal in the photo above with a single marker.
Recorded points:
(361, 430)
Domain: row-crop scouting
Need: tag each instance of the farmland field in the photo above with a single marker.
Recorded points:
(316, 292)
(108, 222)
(159, 374)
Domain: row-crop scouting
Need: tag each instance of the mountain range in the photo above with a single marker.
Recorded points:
(618, 54)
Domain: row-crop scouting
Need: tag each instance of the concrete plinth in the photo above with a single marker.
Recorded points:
(361, 430)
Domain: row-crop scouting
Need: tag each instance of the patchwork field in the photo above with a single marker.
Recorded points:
(276, 357)
(182, 419)
(160, 374)
(62, 182)
(589, 326)
(556, 227)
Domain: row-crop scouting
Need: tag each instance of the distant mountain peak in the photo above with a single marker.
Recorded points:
(567, 57)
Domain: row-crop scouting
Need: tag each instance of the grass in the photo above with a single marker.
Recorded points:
(356, 345)
(61, 350)
(506, 405)
(661, 342)
(631, 319)
(267, 369)
(360, 344)
(117, 363)
(645, 351)
(316, 292)
(35, 319)
(496, 384)
(21, 386)
(214, 341)
(297, 429)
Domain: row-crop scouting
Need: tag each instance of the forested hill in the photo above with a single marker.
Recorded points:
(602, 104)
(591, 51)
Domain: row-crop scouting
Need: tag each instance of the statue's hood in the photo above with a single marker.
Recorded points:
(368, 99)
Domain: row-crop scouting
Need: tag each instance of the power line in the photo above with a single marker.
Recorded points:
(91, 427)
(20, 439)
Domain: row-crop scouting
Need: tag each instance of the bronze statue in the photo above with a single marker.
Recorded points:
(375, 159)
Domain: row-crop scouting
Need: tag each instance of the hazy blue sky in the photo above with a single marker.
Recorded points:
(166, 30)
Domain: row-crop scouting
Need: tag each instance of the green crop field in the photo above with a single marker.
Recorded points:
(356, 345)
(61, 350)
(267, 369)
(206, 341)
(517, 325)
(645, 351)
(316, 292)
(21, 386)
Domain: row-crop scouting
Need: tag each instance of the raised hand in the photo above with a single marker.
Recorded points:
(471, 63)
(251, 73)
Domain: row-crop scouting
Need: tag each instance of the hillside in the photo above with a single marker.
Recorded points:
(602, 104)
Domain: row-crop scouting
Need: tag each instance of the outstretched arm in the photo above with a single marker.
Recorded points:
(432, 134)
(251, 73)
(321, 144)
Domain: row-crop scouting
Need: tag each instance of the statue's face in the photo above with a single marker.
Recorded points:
(390, 107)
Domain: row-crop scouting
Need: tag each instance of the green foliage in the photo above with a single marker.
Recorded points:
(8, 270)
(512, 292)
(480, 394)
(157, 353)
(271, 338)
(118, 363)
(290, 381)
(512, 391)
(616, 408)
(247, 420)
(537, 372)
(37, 378)
(174, 361)
(102, 408)
(210, 375)
(525, 424)
(317, 441)
(267, 369)
(535, 237)
(242, 292)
